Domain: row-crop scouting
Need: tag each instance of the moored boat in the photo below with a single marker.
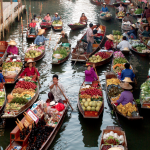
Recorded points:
(57, 25)
(77, 26)
(3, 51)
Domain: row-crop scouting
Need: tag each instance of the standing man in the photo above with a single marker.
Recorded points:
(147, 14)
(90, 38)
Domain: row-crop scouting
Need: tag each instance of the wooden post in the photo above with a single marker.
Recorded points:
(2, 22)
(18, 10)
(21, 6)
(22, 26)
(0, 19)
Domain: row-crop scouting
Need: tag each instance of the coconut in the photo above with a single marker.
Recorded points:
(83, 100)
(88, 99)
(88, 108)
(83, 108)
(86, 104)
(97, 108)
(93, 109)
(93, 104)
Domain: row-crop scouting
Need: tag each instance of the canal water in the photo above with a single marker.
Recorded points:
(76, 132)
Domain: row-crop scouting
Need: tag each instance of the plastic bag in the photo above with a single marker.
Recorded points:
(60, 107)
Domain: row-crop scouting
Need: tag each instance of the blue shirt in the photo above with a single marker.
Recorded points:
(132, 31)
(104, 9)
(127, 73)
(56, 18)
(40, 38)
(1, 77)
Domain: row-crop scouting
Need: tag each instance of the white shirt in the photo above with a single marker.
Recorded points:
(124, 44)
(99, 30)
(121, 8)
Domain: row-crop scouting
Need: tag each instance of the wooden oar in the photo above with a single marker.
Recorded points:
(97, 76)
(65, 97)
(57, 43)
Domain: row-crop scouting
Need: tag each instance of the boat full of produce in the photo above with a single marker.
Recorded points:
(105, 16)
(120, 15)
(3, 51)
(2, 97)
(126, 26)
(57, 25)
(77, 26)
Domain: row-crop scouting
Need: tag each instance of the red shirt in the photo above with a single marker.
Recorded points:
(108, 45)
(28, 72)
(32, 25)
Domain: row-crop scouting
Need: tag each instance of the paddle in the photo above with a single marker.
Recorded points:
(65, 97)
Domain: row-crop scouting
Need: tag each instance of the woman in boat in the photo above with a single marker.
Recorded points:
(40, 39)
(109, 43)
(146, 32)
(104, 8)
(30, 69)
(12, 49)
(47, 18)
(120, 8)
(127, 72)
(64, 38)
(133, 32)
(126, 96)
(127, 18)
(98, 31)
(139, 10)
(83, 19)
(32, 26)
(56, 17)
(35, 18)
(90, 74)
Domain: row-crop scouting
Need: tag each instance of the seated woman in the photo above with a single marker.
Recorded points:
(139, 10)
(47, 18)
(127, 18)
(104, 8)
(133, 32)
(109, 43)
(56, 17)
(83, 19)
(126, 96)
(127, 72)
(98, 31)
(120, 8)
(12, 49)
(146, 32)
(90, 74)
(64, 38)
(32, 26)
(30, 69)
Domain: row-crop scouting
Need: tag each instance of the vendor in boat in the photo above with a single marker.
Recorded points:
(90, 74)
(133, 32)
(138, 10)
(56, 17)
(109, 43)
(30, 69)
(83, 19)
(146, 32)
(127, 72)
(126, 96)
(2, 80)
(147, 15)
(64, 38)
(47, 18)
(55, 93)
(40, 39)
(32, 26)
(104, 8)
(127, 18)
(12, 49)
(120, 8)
(124, 44)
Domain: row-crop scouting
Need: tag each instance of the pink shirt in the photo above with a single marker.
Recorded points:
(13, 50)
(89, 34)
(90, 75)
(47, 18)
(28, 72)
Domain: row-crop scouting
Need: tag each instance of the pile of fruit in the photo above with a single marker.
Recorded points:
(117, 36)
(141, 48)
(57, 23)
(26, 85)
(127, 109)
(114, 91)
(114, 81)
(118, 54)
(121, 14)
(106, 14)
(99, 56)
(34, 51)
(2, 97)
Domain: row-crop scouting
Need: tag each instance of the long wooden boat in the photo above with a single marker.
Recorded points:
(57, 27)
(2, 107)
(76, 56)
(102, 62)
(45, 25)
(77, 27)
(90, 114)
(96, 2)
(30, 36)
(125, 27)
(117, 130)
(15, 132)
(3, 51)
(25, 107)
(144, 42)
(105, 18)
(120, 2)
(109, 75)
(99, 3)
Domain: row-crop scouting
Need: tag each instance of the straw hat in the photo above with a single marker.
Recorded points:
(125, 86)
(104, 3)
(115, 148)
(140, 20)
(12, 42)
(62, 32)
(41, 31)
(110, 36)
(30, 61)
(133, 25)
(126, 49)
(56, 13)
(127, 79)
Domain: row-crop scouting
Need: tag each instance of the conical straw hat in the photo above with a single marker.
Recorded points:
(126, 49)
(126, 86)
(110, 36)
(127, 79)
(12, 42)
(30, 61)
(41, 31)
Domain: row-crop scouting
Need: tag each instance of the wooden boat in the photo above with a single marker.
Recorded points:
(90, 114)
(25, 107)
(102, 62)
(45, 25)
(15, 132)
(119, 17)
(76, 56)
(77, 27)
(3, 51)
(109, 75)
(120, 2)
(117, 130)
(105, 18)
(2, 107)
(125, 52)
(57, 27)
(96, 2)
(144, 41)
(30, 36)
(125, 27)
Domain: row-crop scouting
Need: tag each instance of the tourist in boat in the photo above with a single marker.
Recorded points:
(124, 44)
(127, 72)
(120, 8)
(40, 39)
(90, 38)
(146, 32)
(90, 74)
(64, 38)
(104, 8)
(126, 96)
(83, 19)
(138, 10)
(12, 49)
(47, 18)
(55, 93)
(147, 15)
(30, 69)
(109, 43)
(98, 31)
(133, 32)
(56, 17)
(127, 18)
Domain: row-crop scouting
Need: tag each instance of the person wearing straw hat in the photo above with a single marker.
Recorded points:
(12, 49)
(133, 32)
(109, 43)
(124, 44)
(146, 32)
(40, 39)
(104, 8)
(127, 79)
(56, 17)
(126, 96)
(30, 69)
(127, 72)
(64, 38)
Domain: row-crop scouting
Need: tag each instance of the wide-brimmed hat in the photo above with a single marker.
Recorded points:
(104, 3)
(56, 13)
(12, 42)
(41, 31)
(127, 79)
(126, 86)
(110, 36)
(126, 49)
(30, 61)
(140, 20)
(133, 25)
